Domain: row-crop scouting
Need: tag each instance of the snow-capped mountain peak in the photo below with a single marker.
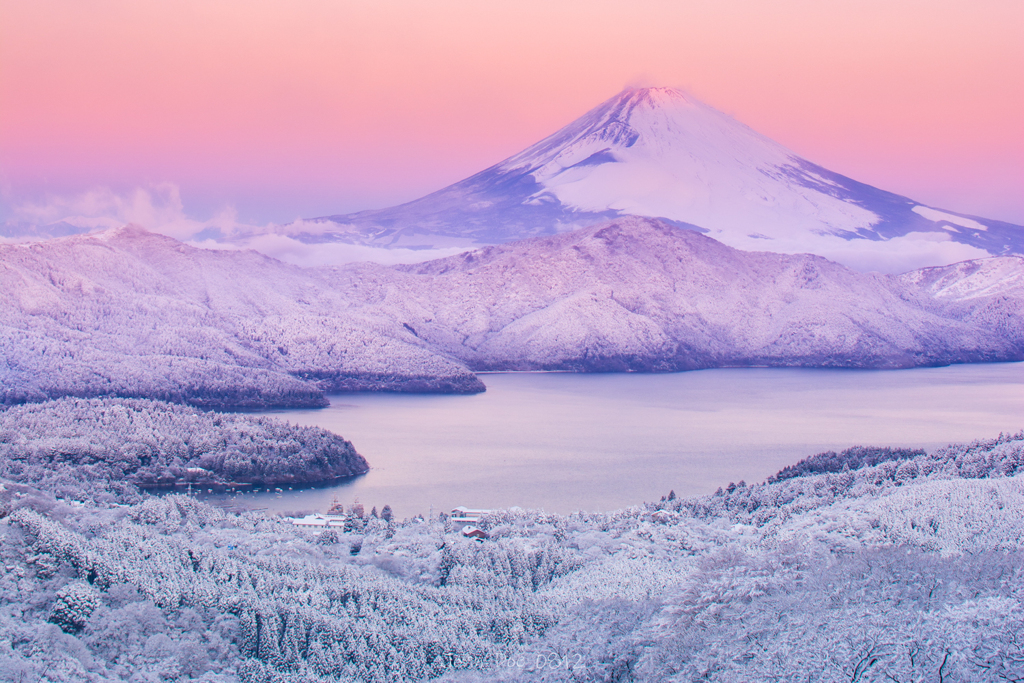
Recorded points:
(655, 121)
(661, 153)
(657, 152)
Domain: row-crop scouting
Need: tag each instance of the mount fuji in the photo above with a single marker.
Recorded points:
(661, 153)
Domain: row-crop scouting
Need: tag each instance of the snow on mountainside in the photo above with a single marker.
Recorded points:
(972, 279)
(658, 152)
(128, 313)
(639, 294)
(987, 293)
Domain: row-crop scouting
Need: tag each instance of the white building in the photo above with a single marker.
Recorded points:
(463, 517)
(319, 520)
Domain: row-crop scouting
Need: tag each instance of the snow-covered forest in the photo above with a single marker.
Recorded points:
(127, 313)
(101, 449)
(867, 565)
(132, 314)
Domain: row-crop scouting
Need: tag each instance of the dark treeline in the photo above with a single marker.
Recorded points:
(850, 459)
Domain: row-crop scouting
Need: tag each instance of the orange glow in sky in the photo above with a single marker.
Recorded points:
(307, 107)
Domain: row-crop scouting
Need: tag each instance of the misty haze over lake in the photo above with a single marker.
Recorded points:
(564, 442)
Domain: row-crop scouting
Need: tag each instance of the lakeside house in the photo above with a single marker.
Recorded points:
(469, 512)
(463, 519)
(321, 520)
(335, 516)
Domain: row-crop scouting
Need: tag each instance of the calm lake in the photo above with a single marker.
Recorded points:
(566, 442)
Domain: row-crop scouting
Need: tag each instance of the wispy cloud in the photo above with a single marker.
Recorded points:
(896, 255)
(159, 208)
(291, 250)
(902, 254)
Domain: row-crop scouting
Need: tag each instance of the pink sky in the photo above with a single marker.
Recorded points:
(297, 108)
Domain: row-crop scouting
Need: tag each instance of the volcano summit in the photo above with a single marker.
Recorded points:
(661, 153)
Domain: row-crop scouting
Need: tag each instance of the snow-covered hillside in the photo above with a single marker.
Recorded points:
(128, 313)
(639, 294)
(76, 444)
(658, 152)
(987, 293)
(910, 569)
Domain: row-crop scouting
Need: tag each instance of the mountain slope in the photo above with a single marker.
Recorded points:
(129, 313)
(987, 293)
(908, 570)
(132, 314)
(657, 152)
(639, 294)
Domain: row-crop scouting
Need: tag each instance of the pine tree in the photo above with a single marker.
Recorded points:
(327, 537)
(248, 634)
(269, 625)
(74, 605)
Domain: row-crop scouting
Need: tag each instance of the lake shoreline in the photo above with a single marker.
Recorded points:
(564, 442)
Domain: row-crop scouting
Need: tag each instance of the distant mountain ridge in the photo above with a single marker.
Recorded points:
(660, 153)
(132, 314)
(639, 294)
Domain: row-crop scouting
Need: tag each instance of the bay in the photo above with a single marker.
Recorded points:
(564, 442)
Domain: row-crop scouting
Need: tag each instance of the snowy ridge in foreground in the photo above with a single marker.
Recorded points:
(908, 569)
(661, 153)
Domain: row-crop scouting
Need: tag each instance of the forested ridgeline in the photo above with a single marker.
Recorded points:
(102, 449)
(909, 569)
(128, 313)
(850, 459)
(132, 314)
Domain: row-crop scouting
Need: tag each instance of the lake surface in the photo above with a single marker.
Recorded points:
(566, 442)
